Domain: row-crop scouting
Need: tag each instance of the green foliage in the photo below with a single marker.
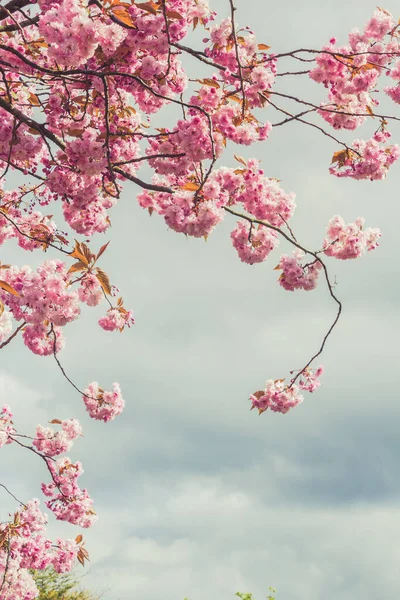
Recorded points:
(56, 586)
(242, 596)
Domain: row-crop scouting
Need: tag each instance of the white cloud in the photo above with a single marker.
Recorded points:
(234, 540)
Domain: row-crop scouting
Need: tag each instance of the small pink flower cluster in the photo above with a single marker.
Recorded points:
(46, 302)
(351, 73)
(253, 245)
(101, 405)
(6, 426)
(230, 123)
(116, 318)
(368, 159)
(29, 548)
(87, 153)
(277, 396)
(347, 69)
(309, 380)
(90, 291)
(73, 36)
(258, 69)
(296, 276)
(33, 224)
(183, 212)
(263, 197)
(197, 220)
(348, 113)
(23, 537)
(67, 501)
(5, 325)
(42, 295)
(351, 240)
(394, 92)
(52, 443)
(27, 149)
(43, 298)
(197, 216)
(86, 209)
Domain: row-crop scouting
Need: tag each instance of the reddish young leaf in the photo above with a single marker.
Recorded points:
(122, 14)
(191, 186)
(173, 14)
(79, 254)
(263, 47)
(240, 159)
(102, 250)
(104, 281)
(8, 288)
(78, 266)
(149, 7)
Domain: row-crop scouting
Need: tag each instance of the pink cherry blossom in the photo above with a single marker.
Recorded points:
(277, 396)
(253, 244)
(295, 275)
(351, 240)
(102, 405)
(52, 443)
(116, 318)
(309, 380)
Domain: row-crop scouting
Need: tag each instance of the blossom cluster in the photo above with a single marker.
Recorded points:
(351, 240)
(280, 397)
(67, 501)
(196, 213)
(102, 405)
(96, 72)
(41, 298)
(52, 443)
(351, 73)
(253, 245)
(366, 159)
(6, 426)
(23, 541)
(296, 276)
(277, 396)
(28, 547)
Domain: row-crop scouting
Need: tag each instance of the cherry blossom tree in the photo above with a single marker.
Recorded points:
(81, 82)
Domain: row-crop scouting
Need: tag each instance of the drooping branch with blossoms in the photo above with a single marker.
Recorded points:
(79, 83)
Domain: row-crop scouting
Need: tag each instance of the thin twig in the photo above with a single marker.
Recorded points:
(12, 495)
(315, 255)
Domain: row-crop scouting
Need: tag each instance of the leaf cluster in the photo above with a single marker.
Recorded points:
(59, 586)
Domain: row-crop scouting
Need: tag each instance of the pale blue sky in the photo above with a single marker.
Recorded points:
(197, 496)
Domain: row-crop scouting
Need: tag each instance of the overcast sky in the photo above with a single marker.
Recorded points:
(197, 496)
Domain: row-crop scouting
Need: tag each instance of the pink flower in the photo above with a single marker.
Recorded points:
(52, 443)
(369, 159)
(6, 426)
(349, 241)
(116, 318)
(254, 244)
(309, 380)
(101, 405)
(5, 325)
(296, 276)
(277, 396)
(67, 501)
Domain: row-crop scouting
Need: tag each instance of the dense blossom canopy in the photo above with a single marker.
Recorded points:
(79, 83)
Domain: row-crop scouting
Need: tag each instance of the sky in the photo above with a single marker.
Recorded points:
(197, 496)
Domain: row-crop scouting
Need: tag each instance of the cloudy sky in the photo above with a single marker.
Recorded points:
(197, 496)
